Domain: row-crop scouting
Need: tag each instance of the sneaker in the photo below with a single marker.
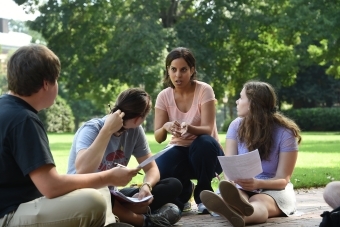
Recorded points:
(167, 215)
(216, 204)
(233, 198)
(201, 209)
(187, 206)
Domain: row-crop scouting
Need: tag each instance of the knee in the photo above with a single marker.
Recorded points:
(176, 185)
(331, 194)
(204, 139)
(92, 202)
(205, 143)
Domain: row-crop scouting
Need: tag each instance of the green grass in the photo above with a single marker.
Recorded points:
(318, 161)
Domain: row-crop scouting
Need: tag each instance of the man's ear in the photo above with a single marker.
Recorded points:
(135, 120)
(45, 85)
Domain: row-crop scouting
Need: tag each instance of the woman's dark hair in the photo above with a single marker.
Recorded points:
(29, 67)
(179, 52)
(257, 127)
(134, 102)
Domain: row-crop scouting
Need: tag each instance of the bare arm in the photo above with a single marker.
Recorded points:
(152, 176)
(161, 125)
(230, 147)
(51, 184)
(208, 119)
(285, 170)
(287, 161)
(88, 160)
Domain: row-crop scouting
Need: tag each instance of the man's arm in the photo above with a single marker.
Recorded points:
(88, 160)
(152, 176)
(51, 184)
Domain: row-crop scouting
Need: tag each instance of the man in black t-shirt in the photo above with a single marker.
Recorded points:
(31, 190)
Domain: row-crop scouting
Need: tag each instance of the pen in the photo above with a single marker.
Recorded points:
(218, 177)
(120, 165)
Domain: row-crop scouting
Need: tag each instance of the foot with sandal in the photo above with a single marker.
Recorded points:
(230, 205)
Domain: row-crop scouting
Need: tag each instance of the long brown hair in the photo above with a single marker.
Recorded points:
(256, 129)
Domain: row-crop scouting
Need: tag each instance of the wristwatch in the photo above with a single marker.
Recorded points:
(148, 184)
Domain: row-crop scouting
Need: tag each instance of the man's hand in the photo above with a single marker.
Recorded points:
(144, 191)
(122, 176)
(114, 122)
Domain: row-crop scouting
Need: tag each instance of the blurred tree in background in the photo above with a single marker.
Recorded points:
(57, 118)
(106, 45)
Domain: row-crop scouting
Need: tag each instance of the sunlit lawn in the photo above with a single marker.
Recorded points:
(318, 162)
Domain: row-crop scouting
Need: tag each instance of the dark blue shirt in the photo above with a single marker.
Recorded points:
(24, 147)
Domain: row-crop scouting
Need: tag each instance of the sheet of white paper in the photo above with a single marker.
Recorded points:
(241, 166)
(129, 199)
(153, 157)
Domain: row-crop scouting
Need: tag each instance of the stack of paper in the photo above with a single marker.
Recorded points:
(243, 166)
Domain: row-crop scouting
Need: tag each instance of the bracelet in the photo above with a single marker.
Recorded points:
(148, 184)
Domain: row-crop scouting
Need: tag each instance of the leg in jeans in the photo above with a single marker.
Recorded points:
(166, 191)
(83, 207)
(203, 154)
(175, 163)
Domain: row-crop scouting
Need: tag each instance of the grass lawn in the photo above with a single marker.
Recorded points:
(318, 161)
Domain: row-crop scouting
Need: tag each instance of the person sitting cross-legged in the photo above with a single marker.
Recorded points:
(32, 192)
(103, 143)
(259, 126)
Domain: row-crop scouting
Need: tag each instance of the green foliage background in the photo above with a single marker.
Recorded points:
(58, 118)
(316, 119)
(101, 43)
(108, 45)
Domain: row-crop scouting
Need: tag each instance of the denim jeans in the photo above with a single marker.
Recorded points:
(198, 161)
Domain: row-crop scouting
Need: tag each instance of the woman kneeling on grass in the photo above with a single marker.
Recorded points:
(259, 126)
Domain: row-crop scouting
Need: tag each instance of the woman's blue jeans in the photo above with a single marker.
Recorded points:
(198, 161)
